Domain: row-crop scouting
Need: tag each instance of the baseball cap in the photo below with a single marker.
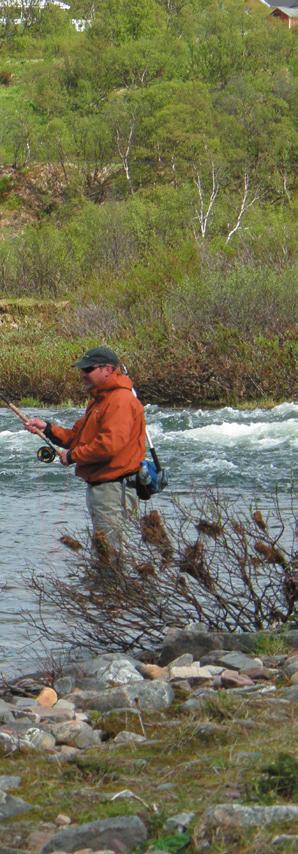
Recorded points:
(97, 356)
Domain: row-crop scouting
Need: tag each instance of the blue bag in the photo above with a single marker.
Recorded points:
(150, 481)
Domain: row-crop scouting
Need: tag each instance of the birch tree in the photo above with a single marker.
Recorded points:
(204, 209)
(247, 202)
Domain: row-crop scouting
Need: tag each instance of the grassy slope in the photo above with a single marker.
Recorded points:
(182, 769)
(215, 365)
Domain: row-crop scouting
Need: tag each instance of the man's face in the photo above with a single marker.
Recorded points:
(97, 377)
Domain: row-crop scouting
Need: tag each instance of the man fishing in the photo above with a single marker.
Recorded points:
(107, 444)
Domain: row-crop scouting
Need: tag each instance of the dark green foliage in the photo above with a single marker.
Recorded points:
(5, 186)
(279, 778)
(175, 842)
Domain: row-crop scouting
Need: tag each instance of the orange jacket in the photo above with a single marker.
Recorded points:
(109, 440)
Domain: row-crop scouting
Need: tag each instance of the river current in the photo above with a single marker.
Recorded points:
(246, 454)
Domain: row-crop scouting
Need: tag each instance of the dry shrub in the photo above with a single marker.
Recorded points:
(154, 532)
(103, 548)
(5, 78)
(145, 569)
(71, 542)
(211, 529)
(169, 575)
(271, 554)
(260, 522)
(193, 563)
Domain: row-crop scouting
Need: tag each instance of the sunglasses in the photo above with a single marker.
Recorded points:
(92, 368)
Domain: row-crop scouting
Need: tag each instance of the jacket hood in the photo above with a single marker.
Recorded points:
(115, 380)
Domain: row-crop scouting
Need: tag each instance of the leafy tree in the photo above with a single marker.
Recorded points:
(51, 21)
(117, 21)
(16, 136)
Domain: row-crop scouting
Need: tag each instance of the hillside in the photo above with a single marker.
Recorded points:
(147, 177)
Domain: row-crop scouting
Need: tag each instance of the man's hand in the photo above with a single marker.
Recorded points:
(63, 458)
(32, 423)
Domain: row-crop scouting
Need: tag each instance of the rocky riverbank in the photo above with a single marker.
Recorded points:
(121, 755)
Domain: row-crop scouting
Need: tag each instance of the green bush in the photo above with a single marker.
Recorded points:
(6, 182)
(278, 779)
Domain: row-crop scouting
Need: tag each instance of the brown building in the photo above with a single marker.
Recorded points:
(287, 13)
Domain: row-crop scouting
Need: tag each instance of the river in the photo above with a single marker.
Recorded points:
(246, 454)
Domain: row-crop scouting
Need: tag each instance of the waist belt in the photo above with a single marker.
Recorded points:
(113, 479)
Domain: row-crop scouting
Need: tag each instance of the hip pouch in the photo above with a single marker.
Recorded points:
(150, 480)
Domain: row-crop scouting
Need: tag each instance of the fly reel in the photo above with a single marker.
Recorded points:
(46, 454)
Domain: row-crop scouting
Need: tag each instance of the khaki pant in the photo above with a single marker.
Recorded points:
(110, 506)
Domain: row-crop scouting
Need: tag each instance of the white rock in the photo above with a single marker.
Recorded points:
(125, 736)
(37, 739)
(192, 671)
(62, 820)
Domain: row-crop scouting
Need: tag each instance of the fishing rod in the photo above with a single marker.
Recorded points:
(47, 452)
(149, 440)
(153, 452)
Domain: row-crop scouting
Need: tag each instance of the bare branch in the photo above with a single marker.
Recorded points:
(245, 205)
(125, 152)
(143, 75)
(200, 215)
(285, 187)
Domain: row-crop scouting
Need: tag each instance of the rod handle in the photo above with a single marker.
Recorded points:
(18, 412)
(37, 431)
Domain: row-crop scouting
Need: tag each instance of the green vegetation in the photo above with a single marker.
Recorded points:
(173, 843)
(270, 644)
(279, 778)
(148, 178)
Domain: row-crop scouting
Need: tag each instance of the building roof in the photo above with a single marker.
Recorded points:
(42, 4)
(290, 4)
(291, 13)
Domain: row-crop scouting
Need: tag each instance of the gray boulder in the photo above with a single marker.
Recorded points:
(9, 741)
(179, 823)
(12, 851)
(291, 638)
(114, 669)
(37, 739)
(199, 643)
(286, 839)
(240, 815)
(76, 734)
(148, 696)
(6, 712)
(10, 806)
(291, 693)
(8, 782)
(64, 685)
(99, 672)
(236, 661)
(121, 834)
(291, 666)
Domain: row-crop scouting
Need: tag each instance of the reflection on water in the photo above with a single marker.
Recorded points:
(245, 454)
